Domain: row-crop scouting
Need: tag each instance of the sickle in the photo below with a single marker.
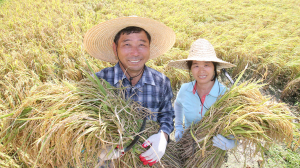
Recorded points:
(137, 137)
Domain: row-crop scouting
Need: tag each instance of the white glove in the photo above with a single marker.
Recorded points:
(178, 133)
(224, 143)
(109, 153)
(157, 149)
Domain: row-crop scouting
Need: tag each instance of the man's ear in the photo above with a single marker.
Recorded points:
(115, 50)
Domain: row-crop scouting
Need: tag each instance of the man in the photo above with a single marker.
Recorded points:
(131, 42)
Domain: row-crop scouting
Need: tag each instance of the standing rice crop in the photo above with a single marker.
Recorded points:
(15, 85)
(253, 119)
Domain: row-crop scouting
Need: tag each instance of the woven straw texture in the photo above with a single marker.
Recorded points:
(98, 41)
(201, 50)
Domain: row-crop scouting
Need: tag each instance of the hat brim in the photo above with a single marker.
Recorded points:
(98, 41)
(182, 64)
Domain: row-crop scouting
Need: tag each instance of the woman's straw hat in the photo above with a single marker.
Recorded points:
(201, 50)
(98, 41)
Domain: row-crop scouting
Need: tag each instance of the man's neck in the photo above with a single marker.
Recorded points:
(135, 76)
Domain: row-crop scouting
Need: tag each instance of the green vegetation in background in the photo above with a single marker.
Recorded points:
(280, 155)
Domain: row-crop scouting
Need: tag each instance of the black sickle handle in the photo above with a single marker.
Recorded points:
(136, 138)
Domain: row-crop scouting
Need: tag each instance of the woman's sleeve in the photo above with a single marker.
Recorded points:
(178, 108)
(178, 114)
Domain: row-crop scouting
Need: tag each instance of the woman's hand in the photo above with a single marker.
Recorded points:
(224, 143)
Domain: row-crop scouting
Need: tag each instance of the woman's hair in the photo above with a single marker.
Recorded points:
(190, 63)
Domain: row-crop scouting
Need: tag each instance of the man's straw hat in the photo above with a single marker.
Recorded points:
(201, 50)
(98, 41)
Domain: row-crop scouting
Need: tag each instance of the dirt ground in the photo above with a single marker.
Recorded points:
(237, 159)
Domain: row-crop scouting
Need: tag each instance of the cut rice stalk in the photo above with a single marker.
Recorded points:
(69, 124)
(245, 113)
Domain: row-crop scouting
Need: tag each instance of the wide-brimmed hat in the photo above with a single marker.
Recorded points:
(98, 41)
(201, 50)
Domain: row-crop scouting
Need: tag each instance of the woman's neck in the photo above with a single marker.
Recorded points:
(204, 89)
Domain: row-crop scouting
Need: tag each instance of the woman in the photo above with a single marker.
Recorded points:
(196, 97)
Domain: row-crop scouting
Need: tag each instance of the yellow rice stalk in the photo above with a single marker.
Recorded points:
(14, 87)
(10, 158)
(292, 89)
(69, 124)
(7, 160)
(244, 112)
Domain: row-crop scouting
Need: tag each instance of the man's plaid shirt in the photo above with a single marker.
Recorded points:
(152, 91)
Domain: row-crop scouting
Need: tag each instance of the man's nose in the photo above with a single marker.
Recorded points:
(135, 51)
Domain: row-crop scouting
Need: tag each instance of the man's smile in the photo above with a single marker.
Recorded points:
(134, 61)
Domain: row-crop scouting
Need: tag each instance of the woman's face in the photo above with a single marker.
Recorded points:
(203, 71)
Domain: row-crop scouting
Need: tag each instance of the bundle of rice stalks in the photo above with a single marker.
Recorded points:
(69, 124)
(253, 119)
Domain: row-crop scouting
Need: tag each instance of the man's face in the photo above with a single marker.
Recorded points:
(133, 51)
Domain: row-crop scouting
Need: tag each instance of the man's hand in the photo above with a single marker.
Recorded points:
(109, 153)
(157, 149)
